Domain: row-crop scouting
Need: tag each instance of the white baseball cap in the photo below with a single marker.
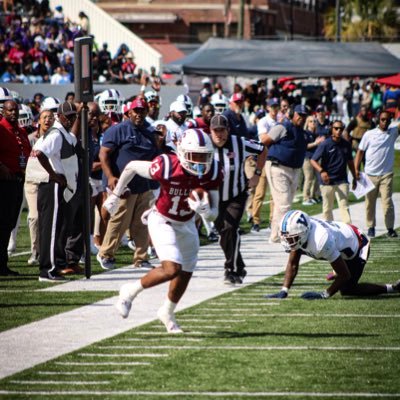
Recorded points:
(178, 106)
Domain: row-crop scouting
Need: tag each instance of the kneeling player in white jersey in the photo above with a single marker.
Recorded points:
(171, 221)
(342, 245)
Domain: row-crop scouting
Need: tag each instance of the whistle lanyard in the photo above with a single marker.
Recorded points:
(22, 158)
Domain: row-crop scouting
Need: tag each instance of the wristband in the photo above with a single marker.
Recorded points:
(258, 172)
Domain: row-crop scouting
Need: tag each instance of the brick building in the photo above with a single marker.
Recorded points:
(194, 21)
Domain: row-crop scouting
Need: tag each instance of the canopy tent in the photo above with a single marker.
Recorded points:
(299, 59)
(393, 80)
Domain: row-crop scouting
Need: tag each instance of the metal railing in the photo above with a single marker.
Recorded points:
(107, 30)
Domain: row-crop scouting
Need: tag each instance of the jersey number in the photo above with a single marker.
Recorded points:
(174, 209)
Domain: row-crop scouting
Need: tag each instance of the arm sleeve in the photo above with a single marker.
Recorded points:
(141, 168)
(277, 132)
(318, 152)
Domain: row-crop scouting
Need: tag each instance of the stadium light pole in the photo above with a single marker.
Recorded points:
(240, 31)
(83, 94)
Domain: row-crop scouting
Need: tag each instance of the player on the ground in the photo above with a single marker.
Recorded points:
(171, 221)
(344, 246)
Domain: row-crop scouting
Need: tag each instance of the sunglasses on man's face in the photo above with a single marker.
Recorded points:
(338, 128)
(384, 119)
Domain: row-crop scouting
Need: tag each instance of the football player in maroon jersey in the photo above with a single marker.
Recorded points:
(171, 220)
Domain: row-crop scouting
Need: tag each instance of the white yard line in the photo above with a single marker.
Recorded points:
(57, 373)
(137, 355)
(54, 383)
(129, 393)
(257, 348)
(70, 363)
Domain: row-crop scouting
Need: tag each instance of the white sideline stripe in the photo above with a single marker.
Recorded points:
(166, 333)
(232, 315)
(263, 303)
(85, 373)
(144, 355)
(72, 383)
(214, 320)
(203, 394)
(206, 326)
(180, 338)
(22, 253)
(267, 348)
(218, 310)
(102, 363)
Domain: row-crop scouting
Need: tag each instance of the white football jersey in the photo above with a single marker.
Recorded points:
(330, 240)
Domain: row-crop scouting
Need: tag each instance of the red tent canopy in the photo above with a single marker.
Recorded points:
(393, 80)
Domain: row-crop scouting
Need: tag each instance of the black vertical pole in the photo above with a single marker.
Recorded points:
(291, 20)
(84, 94)
(86, 189)
(338, 22)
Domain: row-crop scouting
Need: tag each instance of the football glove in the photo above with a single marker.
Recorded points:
(202, 206)
(315, 295)
(280, 295)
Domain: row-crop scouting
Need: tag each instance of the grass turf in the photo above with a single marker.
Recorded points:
(341, 346)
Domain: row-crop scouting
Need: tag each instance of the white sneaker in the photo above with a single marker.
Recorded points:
(123, 306)
(33, 260)
(169, 321)
(131, 245)
(124, 241)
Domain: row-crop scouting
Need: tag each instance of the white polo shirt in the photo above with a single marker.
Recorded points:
(265, 124)
(379, 150)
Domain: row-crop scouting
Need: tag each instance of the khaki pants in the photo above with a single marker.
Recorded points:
(310, 188)
(283, 183)
(383, 185)
(31, 193)
(328, 193)
(128, 216)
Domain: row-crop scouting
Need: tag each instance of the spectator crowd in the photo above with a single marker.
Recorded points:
(36, 46)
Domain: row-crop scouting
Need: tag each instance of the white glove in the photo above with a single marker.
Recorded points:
(112, 203)
(202, 206)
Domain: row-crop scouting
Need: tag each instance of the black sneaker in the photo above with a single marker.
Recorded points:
(143, 264)
(52, 278)
(212, 237)
(392, 233)
(242, 273)
(371, 232)
(8, 272)
(229, 278)
(238, 279)
(255, 228)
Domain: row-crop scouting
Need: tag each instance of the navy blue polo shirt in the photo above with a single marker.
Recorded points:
(131, 143)
(333, 157)
(323, 129)
(237, 126)
(310, 138)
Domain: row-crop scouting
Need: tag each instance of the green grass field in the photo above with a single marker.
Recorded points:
(336, 348)
(238, 345)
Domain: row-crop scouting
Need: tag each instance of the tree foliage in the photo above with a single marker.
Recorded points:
(364, 20)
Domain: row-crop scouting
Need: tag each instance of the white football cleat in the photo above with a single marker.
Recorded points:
(123, 307)
(169, 321)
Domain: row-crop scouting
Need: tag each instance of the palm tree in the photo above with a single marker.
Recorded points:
(364, 20)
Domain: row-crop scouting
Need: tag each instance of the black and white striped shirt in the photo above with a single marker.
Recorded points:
(232, 157)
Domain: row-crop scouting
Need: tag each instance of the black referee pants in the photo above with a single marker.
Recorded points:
(227, 223)
(11, 194)
(53, 227)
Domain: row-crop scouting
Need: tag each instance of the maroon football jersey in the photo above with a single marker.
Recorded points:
(176, 184)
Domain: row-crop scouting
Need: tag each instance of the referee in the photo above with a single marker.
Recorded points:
(232, 151)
